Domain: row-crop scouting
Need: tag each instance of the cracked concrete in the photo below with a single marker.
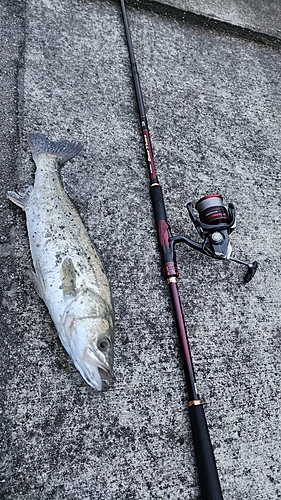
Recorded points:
(263, 17)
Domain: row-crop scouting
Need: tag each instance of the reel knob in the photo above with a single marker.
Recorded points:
(251, 271)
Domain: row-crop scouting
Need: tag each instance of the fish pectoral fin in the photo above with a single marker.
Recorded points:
(68, 277)
(38, 283)
(20, 199)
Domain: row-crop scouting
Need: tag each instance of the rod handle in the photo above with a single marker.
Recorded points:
(207, 470)
(158, 202)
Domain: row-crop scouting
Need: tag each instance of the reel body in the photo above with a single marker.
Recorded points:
(214, 224)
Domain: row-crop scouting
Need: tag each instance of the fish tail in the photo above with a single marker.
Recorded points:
(62, 150)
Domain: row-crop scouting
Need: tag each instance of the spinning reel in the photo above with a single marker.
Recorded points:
(214, 224)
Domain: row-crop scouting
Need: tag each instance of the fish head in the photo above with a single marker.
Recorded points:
(96, 362)
(88, 333)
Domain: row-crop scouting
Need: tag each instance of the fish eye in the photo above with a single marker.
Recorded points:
(104, 344)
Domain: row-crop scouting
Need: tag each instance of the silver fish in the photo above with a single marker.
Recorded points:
(68, 276)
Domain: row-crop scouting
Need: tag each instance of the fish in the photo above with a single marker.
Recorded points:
(68, 273)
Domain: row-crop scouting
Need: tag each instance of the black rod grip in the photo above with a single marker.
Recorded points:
(158, 202)
(207, 470)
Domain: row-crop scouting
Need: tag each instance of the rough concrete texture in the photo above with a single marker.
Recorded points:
(213, 105)
(264, 17)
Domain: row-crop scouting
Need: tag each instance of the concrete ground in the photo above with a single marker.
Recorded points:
(212, 95)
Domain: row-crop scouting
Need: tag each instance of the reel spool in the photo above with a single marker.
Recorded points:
(211, 209)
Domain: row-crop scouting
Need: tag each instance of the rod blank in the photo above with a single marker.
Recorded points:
(207, 470)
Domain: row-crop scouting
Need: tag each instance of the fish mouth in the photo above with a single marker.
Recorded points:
(105, 371)
(105, 374)
(94, 370)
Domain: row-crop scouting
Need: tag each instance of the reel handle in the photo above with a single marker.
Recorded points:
(251, 268)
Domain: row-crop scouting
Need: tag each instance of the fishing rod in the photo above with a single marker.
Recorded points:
(214, 223)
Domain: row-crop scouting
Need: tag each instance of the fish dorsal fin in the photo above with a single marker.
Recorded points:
(68, 277)
(62, 150)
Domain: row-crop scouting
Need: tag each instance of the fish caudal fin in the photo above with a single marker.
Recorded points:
(62, 150)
